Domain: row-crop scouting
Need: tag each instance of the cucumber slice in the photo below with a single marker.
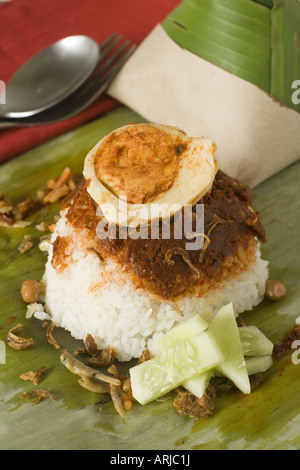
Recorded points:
(225, 331)
(193, 351)
(198, 385)
(258, 364)
(254, 342)
(189, 358)
(188, 328)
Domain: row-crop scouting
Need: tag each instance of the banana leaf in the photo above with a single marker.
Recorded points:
(266, 3)
(257, 41)
(234, 35)
(268, 418)
(286, 51)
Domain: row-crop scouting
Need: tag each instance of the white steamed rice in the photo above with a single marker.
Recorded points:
(96, 298)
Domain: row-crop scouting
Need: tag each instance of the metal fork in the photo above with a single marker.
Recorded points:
(113, 56)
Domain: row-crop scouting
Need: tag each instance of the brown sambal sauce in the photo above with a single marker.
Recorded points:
(231, 226)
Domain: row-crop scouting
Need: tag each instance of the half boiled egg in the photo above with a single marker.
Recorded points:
(142, 172)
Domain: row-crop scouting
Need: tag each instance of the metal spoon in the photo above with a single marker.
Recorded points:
(50, 76)
(113, 56)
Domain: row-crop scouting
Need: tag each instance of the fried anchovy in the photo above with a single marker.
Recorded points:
(78, 368)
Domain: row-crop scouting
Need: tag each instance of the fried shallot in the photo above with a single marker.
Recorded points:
(90, 345)
(17, 342)
(103, 358)
(100, 358)
(33, 376)
(199, 408)
(284, 347)
(49, 336)
(145, 356)
(26, 244)
(39, 393)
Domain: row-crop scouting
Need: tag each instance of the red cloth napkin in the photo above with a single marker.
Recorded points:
(29, 26)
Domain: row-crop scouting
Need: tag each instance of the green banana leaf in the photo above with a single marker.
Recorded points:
(234, 35)
(266, 3)
(257, 41)
(285, 50)
(268, 418)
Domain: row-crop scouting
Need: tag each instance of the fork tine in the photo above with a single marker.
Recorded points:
(107, 77)
(103, 68)
(114, 57)
(122, 61)
(107, 41)
(97, 87)
(109, 48)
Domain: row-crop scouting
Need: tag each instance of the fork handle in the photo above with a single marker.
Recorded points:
(6, 123)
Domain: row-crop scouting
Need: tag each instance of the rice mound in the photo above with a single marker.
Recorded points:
(94, 297)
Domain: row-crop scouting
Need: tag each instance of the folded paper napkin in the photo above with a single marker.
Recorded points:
(28, 27)
(255, 135)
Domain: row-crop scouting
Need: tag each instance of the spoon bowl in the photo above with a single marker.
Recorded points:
(50, 76)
